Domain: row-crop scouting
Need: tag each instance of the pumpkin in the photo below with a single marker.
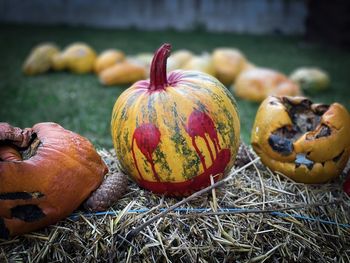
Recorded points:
(256, 84)
(172, 132)
(77, 58)
(307, 142)
(46, 172)
(122, 73)
(228, 63)
(311, 79)
(39, 59)
(178, 59)
(202, 63)
(108, 58)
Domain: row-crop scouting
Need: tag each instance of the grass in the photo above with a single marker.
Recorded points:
(81, 104)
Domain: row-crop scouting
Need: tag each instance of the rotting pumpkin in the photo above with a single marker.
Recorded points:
(172, 132)
(307, 142)
(46, 172)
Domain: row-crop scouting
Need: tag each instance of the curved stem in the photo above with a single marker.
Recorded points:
(158, 76)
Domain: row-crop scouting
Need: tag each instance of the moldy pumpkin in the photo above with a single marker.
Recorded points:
(172, 132)
(46, 172)
(307, 142)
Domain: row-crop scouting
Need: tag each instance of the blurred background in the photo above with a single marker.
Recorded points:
(278, 34)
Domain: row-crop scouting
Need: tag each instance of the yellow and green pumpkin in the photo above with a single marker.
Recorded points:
(172, 132)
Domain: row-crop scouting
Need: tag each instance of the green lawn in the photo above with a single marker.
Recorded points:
(81, 104)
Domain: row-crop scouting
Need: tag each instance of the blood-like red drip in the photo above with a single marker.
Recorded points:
(147, 137)
(200, 124)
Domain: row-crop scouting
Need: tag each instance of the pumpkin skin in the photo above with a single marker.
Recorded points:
(307, 142)
(51, 184)
(172, 132)
(256, 84)
(39, 59)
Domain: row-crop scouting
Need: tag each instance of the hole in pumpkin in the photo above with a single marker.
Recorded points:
(305, 117)
(11, 152)
(27, 213)
(302, 160)
(338, 157)
(4, 232)
(20, 195)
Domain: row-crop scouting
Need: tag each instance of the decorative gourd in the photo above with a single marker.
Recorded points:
(39, 59)
(228, 63)
(77, 58)
(311, 79)
(45, 173)
(307, 142)
(172, 132)
(108, 58)
(122, 73)
(202, 63)
(256, 84)
(178, 59)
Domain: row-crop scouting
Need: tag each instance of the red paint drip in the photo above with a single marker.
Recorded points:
(147, 137)
(200, 124)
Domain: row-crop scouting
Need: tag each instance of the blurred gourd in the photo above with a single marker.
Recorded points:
(178, 59)
(256, 84)
(77, 58)
(108, 58)
(39, 59)
(202, 63)
(126, 72)
(311, 79)
(228, 63)
(174, 131)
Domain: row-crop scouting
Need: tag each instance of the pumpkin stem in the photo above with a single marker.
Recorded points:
(158, 76)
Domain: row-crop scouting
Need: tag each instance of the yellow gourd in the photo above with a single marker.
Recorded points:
(108, 58)
(228, 63)
(77, 58)
(39, 59)
(202, 63)
(122, 73)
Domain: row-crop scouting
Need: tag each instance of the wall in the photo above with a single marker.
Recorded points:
(253, 16)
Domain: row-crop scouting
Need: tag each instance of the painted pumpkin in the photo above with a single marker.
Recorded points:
(77, 58)
(311, 79)
(307, 142)
(107, 59)
(256, 84)
(228, 63)
(39, 59)
(172, 132)
(45, 173)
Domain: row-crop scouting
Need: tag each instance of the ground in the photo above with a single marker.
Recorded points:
(81, 104)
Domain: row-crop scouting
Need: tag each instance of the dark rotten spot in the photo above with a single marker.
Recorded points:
(302, 160)
(281, 144)
(4, 232)
(27, 213)
(337, 158)
(324, 132)
(20, 195)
